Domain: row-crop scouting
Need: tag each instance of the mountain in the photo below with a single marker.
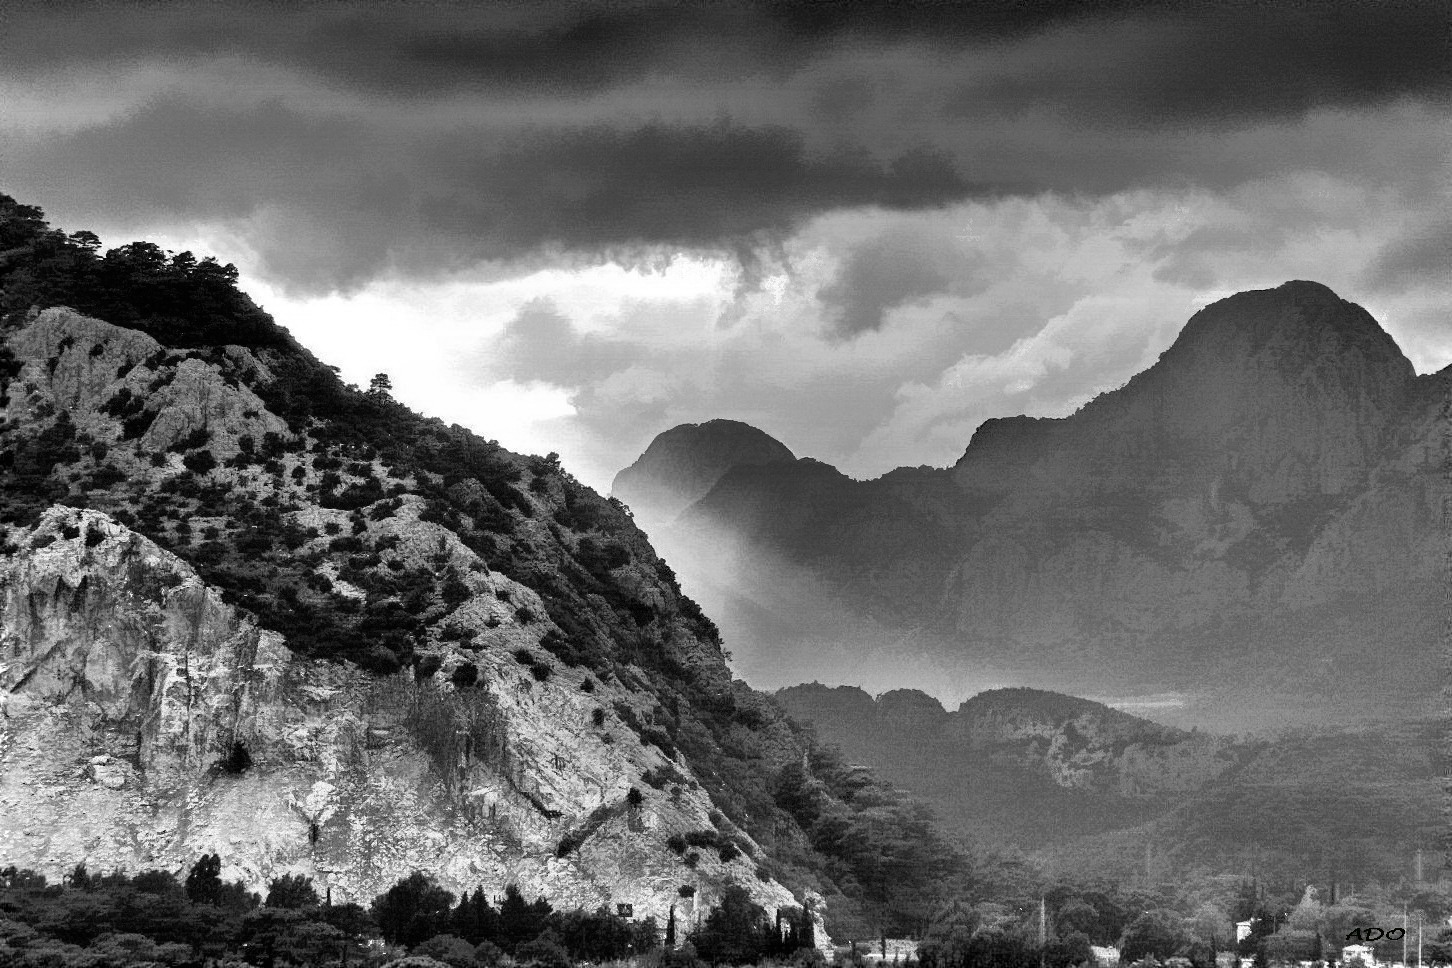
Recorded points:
(1020, 766)
(1093, 791)
(1236, 525)
(681, 465)
(132, 680)
(248, 609)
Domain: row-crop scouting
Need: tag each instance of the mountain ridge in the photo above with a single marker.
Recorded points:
(1271, 485)
(1084, 787)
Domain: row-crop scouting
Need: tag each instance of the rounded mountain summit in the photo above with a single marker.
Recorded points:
(682, 464)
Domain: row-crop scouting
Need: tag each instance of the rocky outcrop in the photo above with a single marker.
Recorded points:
(98, 373)
(129, 688)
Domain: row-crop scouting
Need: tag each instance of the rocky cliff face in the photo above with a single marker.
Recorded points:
(427, 666)
(1255, 517)
(125, 682)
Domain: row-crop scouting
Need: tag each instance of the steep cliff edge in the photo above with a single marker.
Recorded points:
(127, 681)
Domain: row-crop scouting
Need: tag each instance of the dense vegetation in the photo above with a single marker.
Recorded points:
(1272, 806)
(299, 527)
(177, 298)
(92, 920)
(1184, 922)
(153, 917)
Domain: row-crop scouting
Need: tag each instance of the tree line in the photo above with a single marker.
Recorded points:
(92, 920)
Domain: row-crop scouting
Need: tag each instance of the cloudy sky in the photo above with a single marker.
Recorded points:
(863, 229)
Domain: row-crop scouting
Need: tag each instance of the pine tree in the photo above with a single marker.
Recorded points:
(204, 882)
(670, 938)
(413, 910)
(291, 891)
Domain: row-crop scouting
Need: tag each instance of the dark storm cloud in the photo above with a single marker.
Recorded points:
(421, 138)
(340, 203)
(688, 185)
(1130, 60)
(344, 199)
(876, 277)
(393, 49)
(1419, 257)
(1226, 64)
(414, 48)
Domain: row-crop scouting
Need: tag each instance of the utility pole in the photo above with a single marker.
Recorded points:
(1043, 929)
(1404, 936)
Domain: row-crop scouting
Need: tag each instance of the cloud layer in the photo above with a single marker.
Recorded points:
(864, 228)
(348, 141)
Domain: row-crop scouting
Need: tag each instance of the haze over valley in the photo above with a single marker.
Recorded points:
(1248, 534)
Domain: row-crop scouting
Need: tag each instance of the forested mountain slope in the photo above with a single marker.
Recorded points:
(434, 652)
(1093, 791)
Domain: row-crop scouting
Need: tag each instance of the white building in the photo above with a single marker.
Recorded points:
(1358, 952)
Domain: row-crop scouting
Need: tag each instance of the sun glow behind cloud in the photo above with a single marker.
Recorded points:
(439, 340)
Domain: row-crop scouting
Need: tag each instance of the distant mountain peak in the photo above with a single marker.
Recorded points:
(1295, 318)
(683, 463)
(1052, 708)
(1285, 393)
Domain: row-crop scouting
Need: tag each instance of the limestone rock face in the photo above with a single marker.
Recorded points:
(79, 365)
(126, 683)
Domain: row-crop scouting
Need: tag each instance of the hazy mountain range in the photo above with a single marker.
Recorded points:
(1252, 528)
(1090, 789)
(250, 609)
